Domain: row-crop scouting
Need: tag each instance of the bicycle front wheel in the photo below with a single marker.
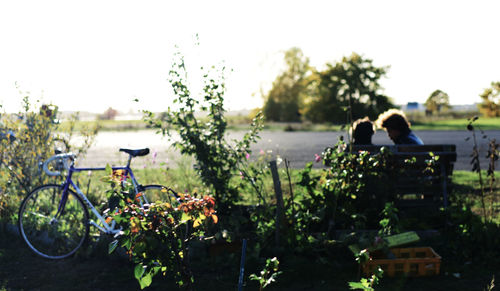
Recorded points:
(159, 193)
(52, 229)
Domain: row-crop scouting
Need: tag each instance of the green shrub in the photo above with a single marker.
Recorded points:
(216, 159)
(27, 139)
(156, 236)
(350, 192)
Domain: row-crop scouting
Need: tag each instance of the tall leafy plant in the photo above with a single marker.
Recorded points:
(492, 156)
(204, 138)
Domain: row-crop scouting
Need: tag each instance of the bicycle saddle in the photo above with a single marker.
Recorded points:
(136, 153)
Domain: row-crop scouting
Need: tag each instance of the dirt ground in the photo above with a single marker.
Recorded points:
(93, 269)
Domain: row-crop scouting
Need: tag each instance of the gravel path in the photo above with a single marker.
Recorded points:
(297, 147)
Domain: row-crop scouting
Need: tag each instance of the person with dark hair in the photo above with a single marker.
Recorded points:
(362, 131)
(398, 128)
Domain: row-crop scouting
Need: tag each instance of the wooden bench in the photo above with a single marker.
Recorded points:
(418, 183)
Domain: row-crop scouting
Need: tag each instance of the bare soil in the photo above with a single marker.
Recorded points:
(93, 269)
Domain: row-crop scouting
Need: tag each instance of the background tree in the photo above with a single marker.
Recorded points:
(352, 83)
(109, 114)
(437, 101)
(284, 100)
(491, 101)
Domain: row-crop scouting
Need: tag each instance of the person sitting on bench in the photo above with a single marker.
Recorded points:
(398, 128)
(362, 131)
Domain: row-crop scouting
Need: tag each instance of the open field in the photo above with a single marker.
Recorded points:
(238, 123)
(457, 124)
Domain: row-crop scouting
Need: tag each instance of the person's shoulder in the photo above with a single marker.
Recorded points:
(409, 138)
(414, 139)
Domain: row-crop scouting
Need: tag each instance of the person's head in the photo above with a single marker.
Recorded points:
(394, 122)
(362, 131)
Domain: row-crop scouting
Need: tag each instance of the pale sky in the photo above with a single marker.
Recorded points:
(91, 55)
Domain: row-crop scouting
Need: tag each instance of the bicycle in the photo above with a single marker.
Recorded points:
(54, 219)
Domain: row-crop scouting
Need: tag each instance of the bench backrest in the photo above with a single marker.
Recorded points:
(416, 177)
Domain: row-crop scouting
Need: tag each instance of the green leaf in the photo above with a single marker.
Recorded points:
(127, 243)
(354, 248)
(185, 217)
(363, 284)
(112, 246)
(155, 270)
(139, 271)
(119, 219)
(108, 169)
(145, 281)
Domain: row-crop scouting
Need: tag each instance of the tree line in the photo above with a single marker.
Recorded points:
(346, 90)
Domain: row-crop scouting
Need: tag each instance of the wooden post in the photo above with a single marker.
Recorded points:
(292, 202)
(279, 200)
(444, 184)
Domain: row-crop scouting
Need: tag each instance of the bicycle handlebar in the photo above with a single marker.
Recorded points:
(63, 157)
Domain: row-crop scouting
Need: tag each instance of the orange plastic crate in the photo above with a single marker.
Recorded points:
(417, 262)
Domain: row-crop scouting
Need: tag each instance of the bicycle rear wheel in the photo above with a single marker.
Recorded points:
(51, 233)
(156, 193)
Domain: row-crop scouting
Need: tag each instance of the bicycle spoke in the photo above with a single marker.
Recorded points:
(40, 215)
(49, 232)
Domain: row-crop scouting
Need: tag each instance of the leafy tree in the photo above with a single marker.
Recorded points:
(351, 84)
(283, 101)
(491, 101)
(437, 101)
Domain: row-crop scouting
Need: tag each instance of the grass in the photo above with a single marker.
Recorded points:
(184, 178)
(106, 125)
(467, 188)
(238, 123)
(457, 124)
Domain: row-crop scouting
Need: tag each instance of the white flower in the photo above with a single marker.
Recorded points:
(278, 160)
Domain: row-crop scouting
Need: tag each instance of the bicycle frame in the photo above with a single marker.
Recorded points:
(107, 228)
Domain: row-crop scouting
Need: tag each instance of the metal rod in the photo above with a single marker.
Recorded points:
(242, 264)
